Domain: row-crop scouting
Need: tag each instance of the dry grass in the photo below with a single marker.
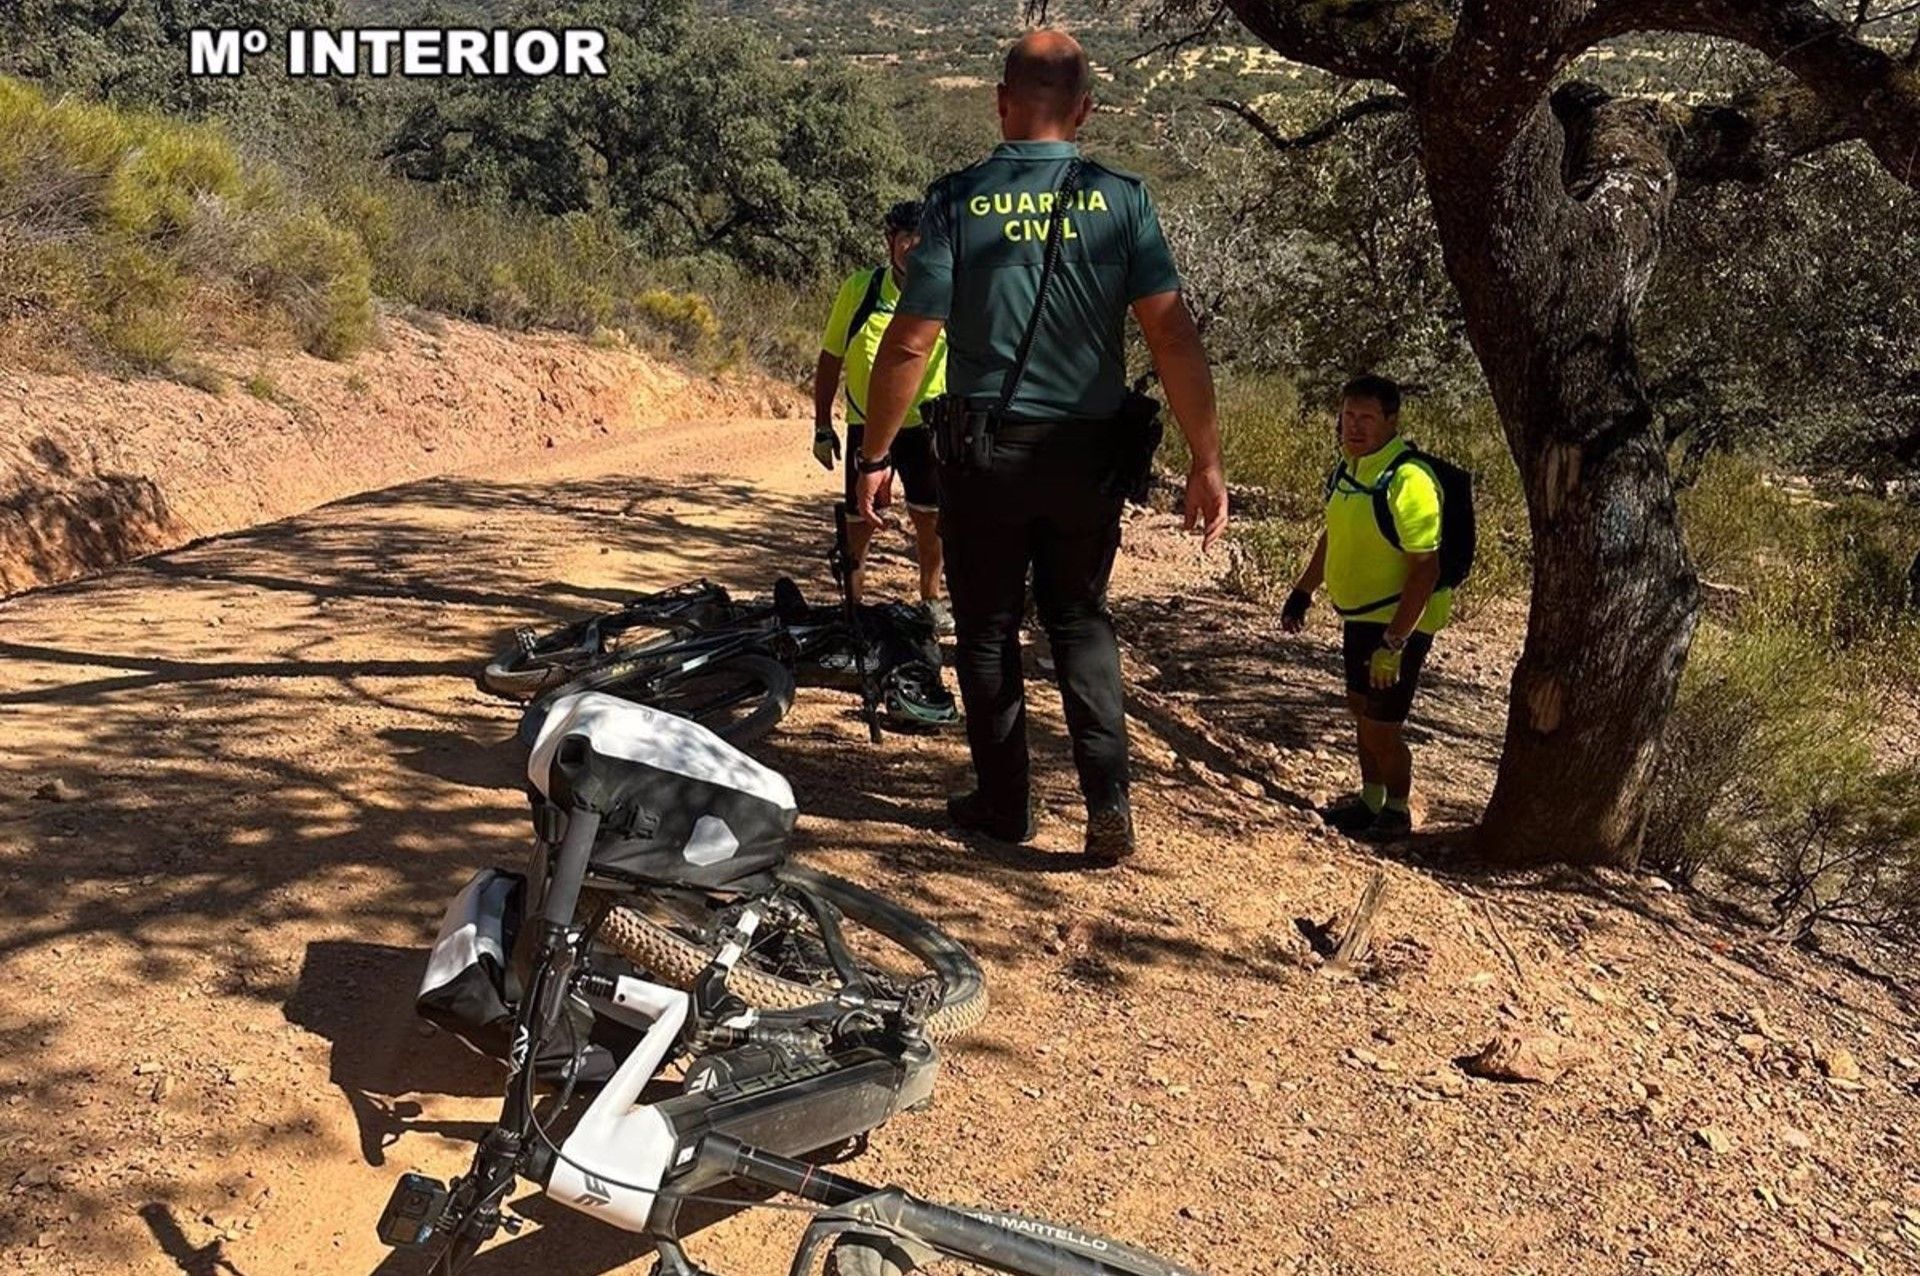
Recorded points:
(147, 235)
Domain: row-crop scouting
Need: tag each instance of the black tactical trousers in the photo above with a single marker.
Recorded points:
(1039, 505)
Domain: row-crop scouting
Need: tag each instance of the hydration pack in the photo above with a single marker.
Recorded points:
(1459, 534)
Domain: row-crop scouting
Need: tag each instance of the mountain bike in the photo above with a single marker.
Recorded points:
(804, 1010)
(538, 662)
(734, 667)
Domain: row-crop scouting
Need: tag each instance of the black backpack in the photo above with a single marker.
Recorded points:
(1459, 536)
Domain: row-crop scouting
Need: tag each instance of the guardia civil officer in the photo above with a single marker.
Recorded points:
(1036, 455)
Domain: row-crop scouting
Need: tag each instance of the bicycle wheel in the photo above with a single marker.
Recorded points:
(519, 673)
(872, 1254)
(789, 970)
(739, 698)
(559, 655)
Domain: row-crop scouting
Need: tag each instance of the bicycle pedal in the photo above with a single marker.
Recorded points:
(921, 998)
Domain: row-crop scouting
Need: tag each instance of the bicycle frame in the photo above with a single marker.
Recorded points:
(636, 1165)
(688, 607)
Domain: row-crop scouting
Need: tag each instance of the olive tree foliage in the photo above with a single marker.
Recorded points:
(1317, 261)
(698, 141)
(1804, 345)
(1319, 255)
(135, 52)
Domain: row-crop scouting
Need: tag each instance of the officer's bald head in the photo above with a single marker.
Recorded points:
(1044, 87)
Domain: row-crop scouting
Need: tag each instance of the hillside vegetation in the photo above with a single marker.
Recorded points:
(142, 234)
(705, 198)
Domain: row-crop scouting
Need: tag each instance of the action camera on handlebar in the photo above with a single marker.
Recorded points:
(412, 1211)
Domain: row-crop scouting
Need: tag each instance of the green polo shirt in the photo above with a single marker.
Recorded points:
(983, 239)
(1365, 573)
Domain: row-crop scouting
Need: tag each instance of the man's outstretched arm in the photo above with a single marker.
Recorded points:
(1184, 372)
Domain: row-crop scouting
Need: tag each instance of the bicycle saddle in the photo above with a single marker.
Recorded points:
(788, 603)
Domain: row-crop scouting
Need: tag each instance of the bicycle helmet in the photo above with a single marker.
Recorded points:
(915, 697)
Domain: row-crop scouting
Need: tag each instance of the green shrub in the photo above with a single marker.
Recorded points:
(319, 275)
(1771, 777)
(39, 276)
(263, 387)
(769, 322)
(1844, 849)
(137, 307)
(686, 318)
(1834, 567)
(164, 172)
(1757, 705)
(1733, 519)
(120, 221)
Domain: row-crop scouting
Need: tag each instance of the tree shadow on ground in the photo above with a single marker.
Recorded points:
(272, 734)
(1230, 660)
(359, 998)
(206, 1260)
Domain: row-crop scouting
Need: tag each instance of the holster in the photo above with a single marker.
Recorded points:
(961, 431)
(1137, 431)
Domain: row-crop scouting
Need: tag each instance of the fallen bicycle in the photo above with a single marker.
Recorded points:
(733, 666)
(659, 922)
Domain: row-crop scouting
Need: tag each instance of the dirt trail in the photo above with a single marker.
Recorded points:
(273, 770)
(95, 472)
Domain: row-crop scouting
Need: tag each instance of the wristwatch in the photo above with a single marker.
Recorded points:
(875, 464)
(1392, 641)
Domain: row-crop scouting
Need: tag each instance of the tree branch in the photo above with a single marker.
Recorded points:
(1753, 137)
(1397, 41)
(1385, 104)
(1193, 35)
(1748, 139)
(1868, 93)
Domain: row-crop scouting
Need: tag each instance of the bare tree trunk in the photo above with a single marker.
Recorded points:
(1551, 266)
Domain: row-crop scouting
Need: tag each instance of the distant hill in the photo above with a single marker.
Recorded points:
(392, 12)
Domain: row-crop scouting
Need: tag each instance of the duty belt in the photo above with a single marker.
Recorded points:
(1035, 431)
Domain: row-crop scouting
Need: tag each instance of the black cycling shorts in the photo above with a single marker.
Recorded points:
(912, 466)
(1361, 640)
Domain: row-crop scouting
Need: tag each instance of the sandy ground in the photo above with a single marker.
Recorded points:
(266, 769)
(95, 471)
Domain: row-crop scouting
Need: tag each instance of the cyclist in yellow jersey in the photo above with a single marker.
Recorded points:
(1386, 595)
(861, 312)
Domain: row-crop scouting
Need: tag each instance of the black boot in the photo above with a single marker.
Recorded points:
(1110, 835)
(971, 813)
